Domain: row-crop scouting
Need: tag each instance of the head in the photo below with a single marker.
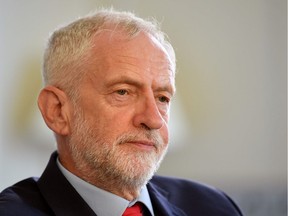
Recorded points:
(109, 79)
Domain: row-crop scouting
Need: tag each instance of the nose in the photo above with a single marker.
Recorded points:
(148, 115)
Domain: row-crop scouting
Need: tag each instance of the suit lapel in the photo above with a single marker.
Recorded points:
(160, 202)
(62, 198)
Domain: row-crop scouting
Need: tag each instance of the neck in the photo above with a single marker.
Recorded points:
(127, 193)
(115, 186)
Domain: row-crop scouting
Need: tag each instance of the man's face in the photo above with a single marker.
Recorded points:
(120, 132)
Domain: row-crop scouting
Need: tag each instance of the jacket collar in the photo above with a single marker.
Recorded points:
(62, 198)
(160, 202)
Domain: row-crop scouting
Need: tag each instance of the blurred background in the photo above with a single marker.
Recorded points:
(228, 120)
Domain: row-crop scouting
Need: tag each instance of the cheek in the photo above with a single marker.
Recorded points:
(114, 121)
(165, 133)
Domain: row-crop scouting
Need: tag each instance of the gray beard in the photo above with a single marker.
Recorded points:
(110, 162)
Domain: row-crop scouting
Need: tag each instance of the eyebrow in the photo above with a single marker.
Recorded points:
(122, 80)
(167, 88)
(130, 81)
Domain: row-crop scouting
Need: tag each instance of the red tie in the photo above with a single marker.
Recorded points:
(135, 210)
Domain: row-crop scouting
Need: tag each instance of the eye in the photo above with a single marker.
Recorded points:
(164, 99)
(122, 91)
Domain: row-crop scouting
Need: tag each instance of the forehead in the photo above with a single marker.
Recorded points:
(140, 59)
(110, 45)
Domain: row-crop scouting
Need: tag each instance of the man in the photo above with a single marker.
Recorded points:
(109, 79)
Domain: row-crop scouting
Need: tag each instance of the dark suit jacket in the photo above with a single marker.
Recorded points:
(52, 194)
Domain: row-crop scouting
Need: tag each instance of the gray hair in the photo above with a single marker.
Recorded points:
(67, 50)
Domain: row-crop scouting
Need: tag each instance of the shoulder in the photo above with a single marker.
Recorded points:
(195, 195)
(23, 198)
(184, 185)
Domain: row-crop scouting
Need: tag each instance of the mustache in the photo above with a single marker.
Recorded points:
(151, 136)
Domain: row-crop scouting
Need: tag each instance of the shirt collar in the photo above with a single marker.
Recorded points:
(100, 200)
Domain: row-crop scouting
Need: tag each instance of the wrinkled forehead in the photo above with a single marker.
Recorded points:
(107, 40)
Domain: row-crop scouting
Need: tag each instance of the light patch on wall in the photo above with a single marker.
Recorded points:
(179, 126)
(27, 90)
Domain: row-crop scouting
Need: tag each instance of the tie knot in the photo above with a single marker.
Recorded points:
(135, 210)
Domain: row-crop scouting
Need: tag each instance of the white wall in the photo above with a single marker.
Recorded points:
(229, 118)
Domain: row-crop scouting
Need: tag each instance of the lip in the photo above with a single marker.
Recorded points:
(142, 144)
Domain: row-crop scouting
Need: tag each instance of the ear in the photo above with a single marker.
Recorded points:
(55, 109)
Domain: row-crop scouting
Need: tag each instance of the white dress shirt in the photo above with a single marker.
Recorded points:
(102, 202)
